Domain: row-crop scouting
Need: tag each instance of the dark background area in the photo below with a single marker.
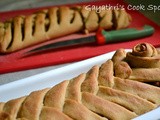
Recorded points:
(150, 13)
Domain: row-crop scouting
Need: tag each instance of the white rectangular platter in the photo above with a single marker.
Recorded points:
(50, 78)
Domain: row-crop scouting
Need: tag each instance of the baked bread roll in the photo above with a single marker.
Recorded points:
(23, 31)
(146, 55)
(141, 64)
(95, 95)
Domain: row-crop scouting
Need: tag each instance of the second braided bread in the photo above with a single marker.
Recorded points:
(23, 31)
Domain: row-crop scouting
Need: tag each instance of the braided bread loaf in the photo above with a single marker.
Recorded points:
(95, 95)
(24, 31)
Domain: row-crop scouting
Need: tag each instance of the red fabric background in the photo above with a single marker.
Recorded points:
(15, 62)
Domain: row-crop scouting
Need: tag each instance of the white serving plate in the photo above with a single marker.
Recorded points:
(50, 78)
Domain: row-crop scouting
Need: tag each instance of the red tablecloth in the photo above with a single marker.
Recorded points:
(14, 62)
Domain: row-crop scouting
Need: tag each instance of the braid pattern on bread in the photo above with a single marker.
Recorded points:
(23, 31)
(95, 95)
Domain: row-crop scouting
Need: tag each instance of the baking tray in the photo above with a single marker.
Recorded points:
(50, 78)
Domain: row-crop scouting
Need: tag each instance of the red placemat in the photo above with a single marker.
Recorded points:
(14, 62)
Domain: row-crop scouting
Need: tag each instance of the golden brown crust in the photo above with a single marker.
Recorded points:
(105, 77)
(127, 100)
(122, 70)
(119, 55)
(143, 90)
(32, 105)
(1, 106)
(50, 113)
(55, 96)
(90, 84)
(23, 31)
(107, 21)
(120, 18)
(106, 108)
(121, 67)
(12, 107)
(145, 74)
(91, 19)
(79, 112)
(4, 116)
(74, 88)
